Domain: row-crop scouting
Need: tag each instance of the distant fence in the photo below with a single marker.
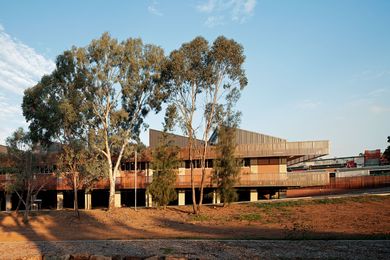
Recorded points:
(359, 182)
(340, 185)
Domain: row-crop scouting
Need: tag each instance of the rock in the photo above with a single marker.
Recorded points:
(169, 257)
(33, 257)
(79, 257)
(154, 257)
(133, 258)
(56, 257)
(100, 257)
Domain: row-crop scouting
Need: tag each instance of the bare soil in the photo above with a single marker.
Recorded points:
(365, 217)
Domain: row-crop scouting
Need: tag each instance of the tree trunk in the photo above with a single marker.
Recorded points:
(18, 206)
(203, 164)
(27, 205)
(111, 199)
(194, 206)
(75, 197)
(202, 179)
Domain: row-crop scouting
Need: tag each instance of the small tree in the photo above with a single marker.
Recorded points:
(386, 153)
(80, 167)
(165, 161)
(226, 167)
(25, 182)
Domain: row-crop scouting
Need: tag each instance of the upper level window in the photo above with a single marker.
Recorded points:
(247, 162)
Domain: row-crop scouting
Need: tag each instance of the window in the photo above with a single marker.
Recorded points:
(187, 164)
(247, 162)
(209, 163)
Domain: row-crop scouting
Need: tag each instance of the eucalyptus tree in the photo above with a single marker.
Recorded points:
(57, 111)
(205, 79)
(186, 71)
(124, 86)
(24, 182)
(225, 79)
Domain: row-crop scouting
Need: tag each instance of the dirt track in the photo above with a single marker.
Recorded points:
(202, 249)
(347, 218)
(364, 217)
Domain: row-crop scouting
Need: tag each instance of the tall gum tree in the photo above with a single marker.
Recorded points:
(124, 87)
(225, 79)
(185, 71)
(204, 79)
(57, 111)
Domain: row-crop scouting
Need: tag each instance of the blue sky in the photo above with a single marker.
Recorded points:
(317, 70)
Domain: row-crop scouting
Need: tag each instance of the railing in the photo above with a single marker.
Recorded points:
(283, 149)
(126, 180)
(306, 148)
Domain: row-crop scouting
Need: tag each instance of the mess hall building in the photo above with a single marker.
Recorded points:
(263, 174)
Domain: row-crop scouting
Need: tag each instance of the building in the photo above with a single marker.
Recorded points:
(263, 173)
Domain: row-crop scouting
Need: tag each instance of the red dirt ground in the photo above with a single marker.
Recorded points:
(346, 218)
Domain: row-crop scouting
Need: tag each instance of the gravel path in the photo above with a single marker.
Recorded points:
(200, 249)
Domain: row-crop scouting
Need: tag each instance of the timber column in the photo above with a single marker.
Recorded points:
(253, 195)
(181, 197)
(148, 200)
(8, 202)
(118, 199)
(216, 197)
(88, 200)
(60, 200)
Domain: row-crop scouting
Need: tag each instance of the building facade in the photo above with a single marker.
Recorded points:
(263, 173)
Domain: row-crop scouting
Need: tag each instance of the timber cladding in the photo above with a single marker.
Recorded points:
(248, 137)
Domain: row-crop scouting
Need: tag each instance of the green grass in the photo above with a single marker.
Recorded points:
(295, 203)
(199, 218)
(167, 250)
(249, 217)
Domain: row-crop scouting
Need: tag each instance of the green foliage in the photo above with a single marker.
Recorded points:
(165, 162)
(386, 153)
(20, 153)
(297, 203)
(98, 95)
(249, 217)
(226, 167)
(24, 179)
(199, 218)
(205, 80)
(81, 167)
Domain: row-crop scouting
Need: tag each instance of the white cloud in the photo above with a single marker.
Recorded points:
(371, 75)
(20, 67)
(213, 21)
(308, 104)
(377, 109)
(206, 7)
(378, 92)
(152, 8)
(236, 10)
